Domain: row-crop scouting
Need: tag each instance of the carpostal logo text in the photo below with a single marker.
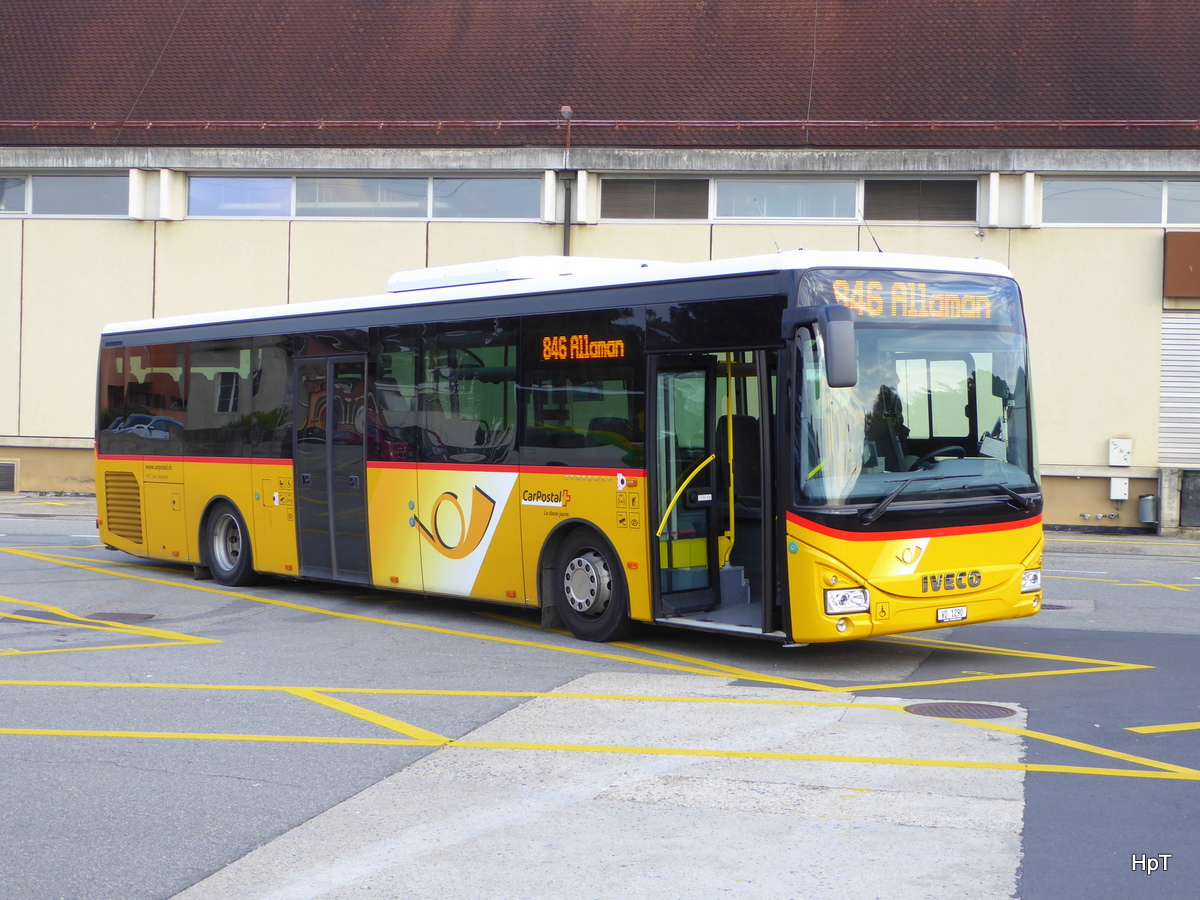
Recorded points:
(545, 498)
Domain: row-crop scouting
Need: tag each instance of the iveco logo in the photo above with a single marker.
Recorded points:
(909, 555)
(951, 581)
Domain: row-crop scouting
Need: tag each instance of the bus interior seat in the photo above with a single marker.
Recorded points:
(747, 463)
(612, 430)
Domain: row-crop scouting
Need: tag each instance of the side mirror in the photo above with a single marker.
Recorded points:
(836, 325)
(841, 354)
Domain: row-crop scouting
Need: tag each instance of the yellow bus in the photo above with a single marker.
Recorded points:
(801, 447)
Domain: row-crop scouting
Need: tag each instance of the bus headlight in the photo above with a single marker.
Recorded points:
(1031, 581)
(847, 600)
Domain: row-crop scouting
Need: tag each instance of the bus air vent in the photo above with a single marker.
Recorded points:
(123, 505)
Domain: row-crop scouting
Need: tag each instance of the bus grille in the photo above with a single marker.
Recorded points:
(123, 505)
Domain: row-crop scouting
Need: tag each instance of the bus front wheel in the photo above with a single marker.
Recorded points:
(589, 590)
(227, 547)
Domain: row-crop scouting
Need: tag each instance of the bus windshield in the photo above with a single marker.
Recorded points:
(942, 401)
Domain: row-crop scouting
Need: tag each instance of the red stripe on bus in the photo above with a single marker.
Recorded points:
(797, 520)
(575, 470)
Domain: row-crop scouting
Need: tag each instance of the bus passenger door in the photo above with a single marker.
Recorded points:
(710, 490)
(330, 474)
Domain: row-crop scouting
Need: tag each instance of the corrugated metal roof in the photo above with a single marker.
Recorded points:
(496, 72)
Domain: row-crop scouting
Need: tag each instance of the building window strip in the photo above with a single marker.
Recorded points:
(428, 197)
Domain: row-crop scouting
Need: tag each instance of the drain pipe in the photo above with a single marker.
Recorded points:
(567, 177)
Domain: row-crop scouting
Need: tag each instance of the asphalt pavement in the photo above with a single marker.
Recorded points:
(709, 780)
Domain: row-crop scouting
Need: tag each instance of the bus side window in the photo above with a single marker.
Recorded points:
(468, 392)
(219, 419)
(393, 428)
(271, 402)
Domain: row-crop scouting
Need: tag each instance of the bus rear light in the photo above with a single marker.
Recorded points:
(847, 600)
(1031, 581)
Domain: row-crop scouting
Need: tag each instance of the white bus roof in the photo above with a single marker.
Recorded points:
(543, 274)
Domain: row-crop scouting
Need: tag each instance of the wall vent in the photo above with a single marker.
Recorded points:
(123, 505)
(8, 476)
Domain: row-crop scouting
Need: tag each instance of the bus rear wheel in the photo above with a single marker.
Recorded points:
(589, 590)
(227, 547)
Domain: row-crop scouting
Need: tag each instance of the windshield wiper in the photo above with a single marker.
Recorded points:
(881, 507)
(1024, 502)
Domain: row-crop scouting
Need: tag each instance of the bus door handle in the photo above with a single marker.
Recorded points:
(698, 498)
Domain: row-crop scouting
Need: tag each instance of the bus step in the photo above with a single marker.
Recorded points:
(734, 586)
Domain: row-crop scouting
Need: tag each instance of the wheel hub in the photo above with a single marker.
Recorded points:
(588, 583)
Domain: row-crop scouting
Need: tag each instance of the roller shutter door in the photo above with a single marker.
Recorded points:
(1179, 412)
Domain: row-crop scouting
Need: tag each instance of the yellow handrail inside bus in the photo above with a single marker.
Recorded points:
(731, 533)
(675, 499)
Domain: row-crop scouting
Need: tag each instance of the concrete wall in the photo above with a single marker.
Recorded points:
(76, 276)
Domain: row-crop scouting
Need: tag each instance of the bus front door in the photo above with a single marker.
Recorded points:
(710, 488)
(331, 469)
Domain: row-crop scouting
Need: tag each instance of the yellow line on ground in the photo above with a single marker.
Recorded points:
(1166, 729)
(77, 621)
(433, 692)
(971, 678)
(1175, 775)
(202, 736)
(367, 715)
(1184, 775)
(1126, 543)
(701, 668)
(578, 651)
(721, 669)
(1076, 578)
(939, 644)
(708, 668)
(421, 737)
(1080, 745)
(155, 645)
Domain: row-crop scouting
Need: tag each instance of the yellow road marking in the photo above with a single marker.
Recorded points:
(1079, 745)
(367, 715)
(691, 665)
(155, 645)
(1184, 775)
(1155, 543)
(578, 651)
(169, 638)
(1166, 729)
(1144, 583)
(204, 736)
(1166, 774)
(435, 692)
(415, 736)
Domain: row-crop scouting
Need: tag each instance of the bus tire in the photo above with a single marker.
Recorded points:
(589, 589)
(227, 547)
